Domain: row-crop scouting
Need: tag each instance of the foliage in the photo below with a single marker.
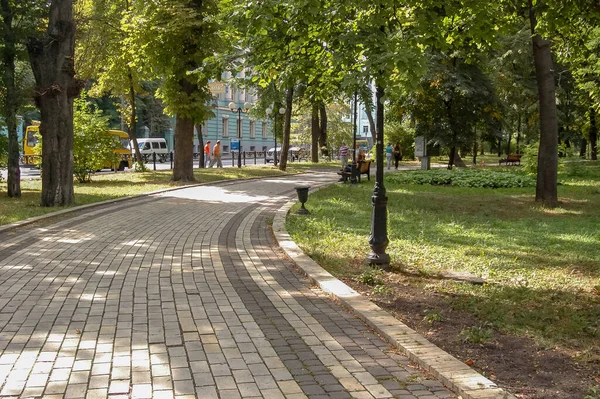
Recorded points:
(92, 147)
(479, 334)
(432, 316)
(371, 276)
(485, 178)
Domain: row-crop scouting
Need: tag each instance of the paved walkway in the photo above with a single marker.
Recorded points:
(183, 294)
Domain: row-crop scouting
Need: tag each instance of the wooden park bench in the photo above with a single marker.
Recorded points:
(512, 159)
(364, 168)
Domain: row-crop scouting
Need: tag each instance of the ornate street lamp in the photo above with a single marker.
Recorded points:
(353, 175)
(379, 239)
(234, 108)
(281, 112)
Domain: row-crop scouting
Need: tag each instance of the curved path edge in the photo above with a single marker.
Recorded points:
(450, 371)
(77, 208)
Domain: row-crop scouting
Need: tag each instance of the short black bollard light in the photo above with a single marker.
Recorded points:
(154, 159)
(171, 159)
(302, 197)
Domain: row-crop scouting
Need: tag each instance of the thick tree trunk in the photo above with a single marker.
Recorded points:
(475, 152)
(183, 168)
(547, 175)
(315, 133)
(593, 136)
(508, 143)
(500, 146)
(10, 105)
(452, 157)
(287, 125)
(323, 127)
(133, 122)
(582, 147)
(52, 62)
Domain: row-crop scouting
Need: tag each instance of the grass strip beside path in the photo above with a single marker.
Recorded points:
(542, 266)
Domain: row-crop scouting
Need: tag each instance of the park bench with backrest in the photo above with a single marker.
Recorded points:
(511, 159)
(364, 168)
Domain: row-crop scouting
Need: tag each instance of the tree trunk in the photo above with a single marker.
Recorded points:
(518, 134)
(475, 152)
(183, 167)
(582, 147)
(593, 135)
(323, 127)
(452, 156)
(10, 105)
(52, 62)
(315, 133)
(547, 175)
(508, 143)
(499, 146)
(287, 125)
(133, 123)
(200, 146)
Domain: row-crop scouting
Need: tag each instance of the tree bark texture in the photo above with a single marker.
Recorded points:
(133, 121)
(323, 127)
(52, 62)
(183, 168)
(10, 105)
(315, 133)
(593, 135)
(287, 125)
(547, 175)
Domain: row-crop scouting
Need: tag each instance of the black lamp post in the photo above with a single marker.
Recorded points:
(378, 239)
(234, 108)
(281, 112)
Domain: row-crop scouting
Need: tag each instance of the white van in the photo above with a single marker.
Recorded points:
(148, 146)
(270, 154)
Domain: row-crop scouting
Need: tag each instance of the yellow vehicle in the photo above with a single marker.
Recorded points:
(122, 153)
(29, 141)
(121, 161)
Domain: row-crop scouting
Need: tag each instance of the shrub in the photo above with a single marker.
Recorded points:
(485, 178)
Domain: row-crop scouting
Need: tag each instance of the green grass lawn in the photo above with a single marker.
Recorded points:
(542, 266)
(115, 185)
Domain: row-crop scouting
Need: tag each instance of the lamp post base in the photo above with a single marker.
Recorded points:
(382, 260)
(302, 211)
(378, 239)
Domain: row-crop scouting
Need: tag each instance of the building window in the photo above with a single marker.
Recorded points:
(264, 130)
(238, 128)
(366, 129)
(225, 148)
(252, 148)
(252, 129)
(225, 127)
(264, 148)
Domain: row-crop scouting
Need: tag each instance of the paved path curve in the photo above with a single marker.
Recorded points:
(182, 294)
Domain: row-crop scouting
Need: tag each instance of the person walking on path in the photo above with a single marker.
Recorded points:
(388, 154)
(207, 153)
(344, 155)
(216, 155)
(397, 154)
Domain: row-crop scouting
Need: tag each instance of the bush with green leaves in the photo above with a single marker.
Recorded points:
(92, 147)
(480, 178)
